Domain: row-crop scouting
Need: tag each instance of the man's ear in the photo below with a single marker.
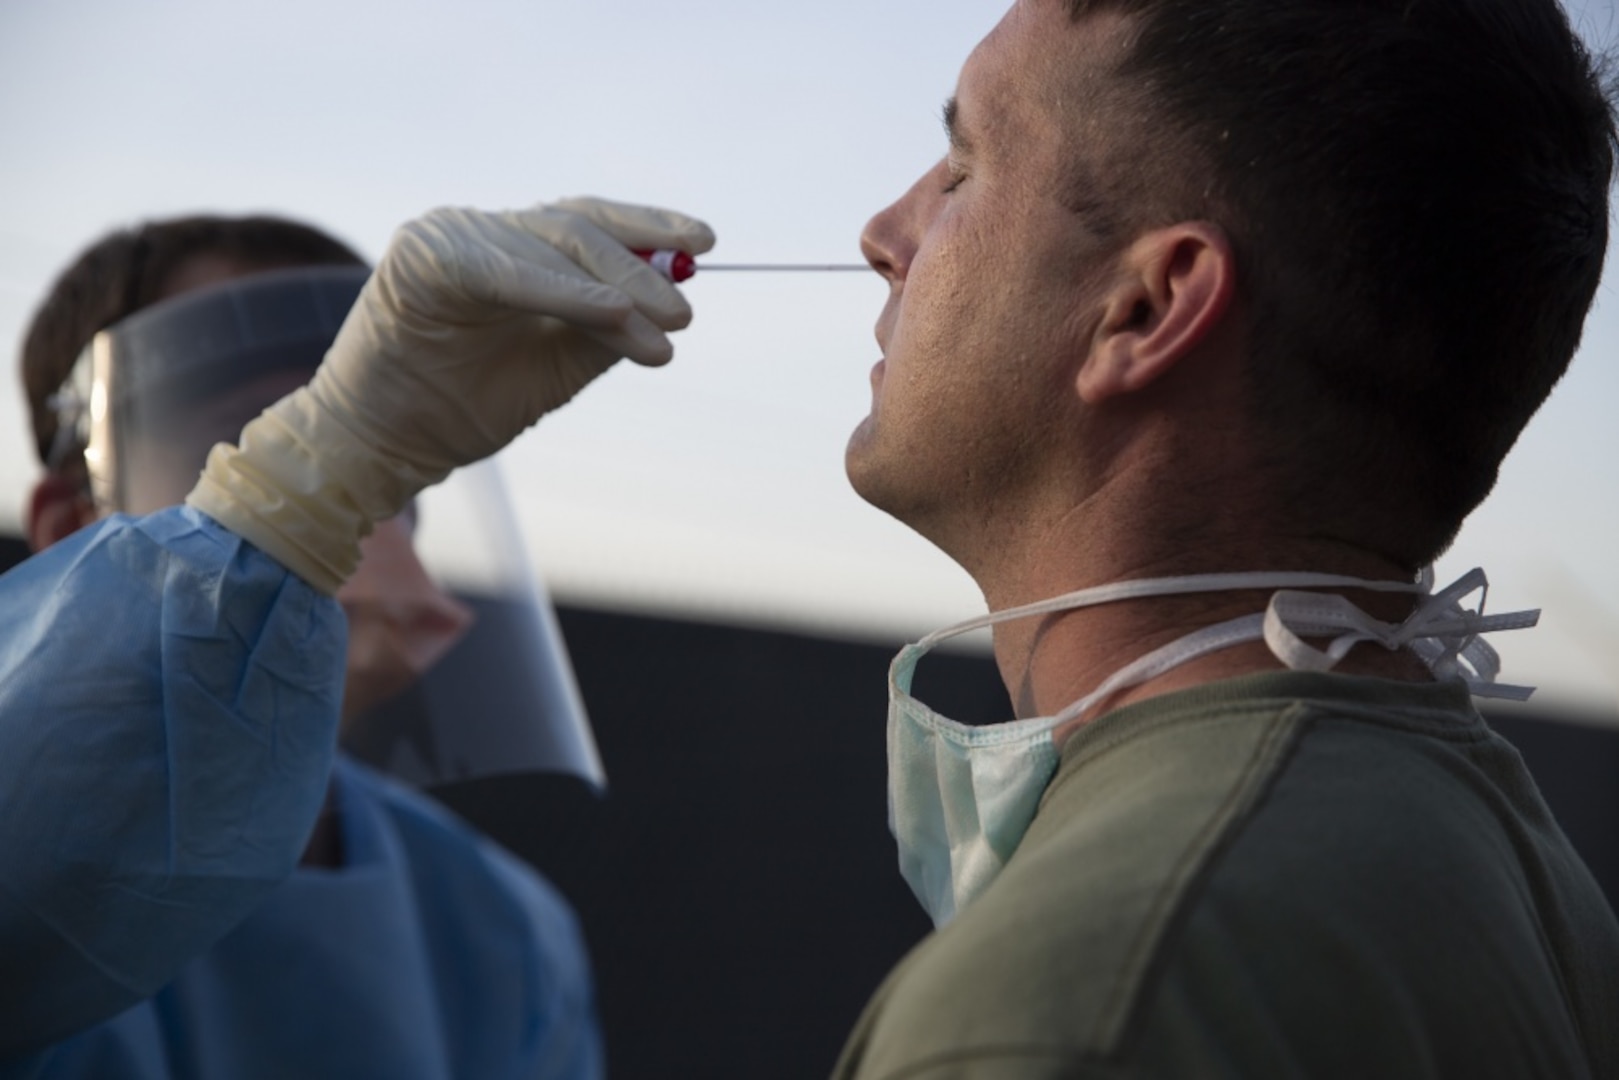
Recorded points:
(58, 508)
(1174, 286)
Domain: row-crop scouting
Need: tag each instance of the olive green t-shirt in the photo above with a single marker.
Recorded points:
(1285, 875)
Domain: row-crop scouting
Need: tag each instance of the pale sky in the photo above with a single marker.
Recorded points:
(712, 488)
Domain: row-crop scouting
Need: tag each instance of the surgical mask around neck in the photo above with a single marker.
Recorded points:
(961, 797)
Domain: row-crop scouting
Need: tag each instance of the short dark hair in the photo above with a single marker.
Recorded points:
(129, 269)
(1417, 194)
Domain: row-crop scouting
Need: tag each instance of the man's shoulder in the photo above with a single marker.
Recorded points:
(1228, 870)
(1273, 774)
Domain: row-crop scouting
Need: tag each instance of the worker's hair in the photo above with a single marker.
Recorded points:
(1417, 195)
(129, 269)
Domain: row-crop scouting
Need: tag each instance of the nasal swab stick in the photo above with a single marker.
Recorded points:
(678, 266)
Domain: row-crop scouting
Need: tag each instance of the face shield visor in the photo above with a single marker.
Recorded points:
(456, 667)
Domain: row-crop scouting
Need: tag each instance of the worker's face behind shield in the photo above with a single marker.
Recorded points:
(401, 623)
(442, 684)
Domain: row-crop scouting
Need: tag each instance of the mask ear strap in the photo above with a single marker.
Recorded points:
(1440, 631)
(1289, 615)
(1183, 585)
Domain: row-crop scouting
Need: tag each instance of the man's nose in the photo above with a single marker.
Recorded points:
(889, 239)
(878, 243)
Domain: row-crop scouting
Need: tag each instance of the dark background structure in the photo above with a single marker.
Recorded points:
(737, 884)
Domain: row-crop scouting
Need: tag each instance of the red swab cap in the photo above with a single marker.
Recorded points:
(677, 266)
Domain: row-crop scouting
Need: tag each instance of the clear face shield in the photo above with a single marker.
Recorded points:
(456, 667)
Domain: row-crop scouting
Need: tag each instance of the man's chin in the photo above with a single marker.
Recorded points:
(859, 457)
(872, 474)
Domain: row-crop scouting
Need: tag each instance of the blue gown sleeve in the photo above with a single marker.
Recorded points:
(169, 701)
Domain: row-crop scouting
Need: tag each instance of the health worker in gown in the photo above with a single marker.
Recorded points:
(196, 881)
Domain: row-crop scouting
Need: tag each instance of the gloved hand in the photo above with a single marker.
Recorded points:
(473, 326)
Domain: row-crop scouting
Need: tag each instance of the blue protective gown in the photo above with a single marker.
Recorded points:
(169, 702)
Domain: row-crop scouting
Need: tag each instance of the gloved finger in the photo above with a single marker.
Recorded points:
(643, 226)
(639, 339)
(603, 256)
(439, 263)
(500, 280)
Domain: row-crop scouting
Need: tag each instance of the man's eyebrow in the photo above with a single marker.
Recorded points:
(952, 127)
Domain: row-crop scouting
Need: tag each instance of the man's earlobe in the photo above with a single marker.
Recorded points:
(1174, 287)
(58, 507)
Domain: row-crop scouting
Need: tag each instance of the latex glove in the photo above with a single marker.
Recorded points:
(473, 326)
